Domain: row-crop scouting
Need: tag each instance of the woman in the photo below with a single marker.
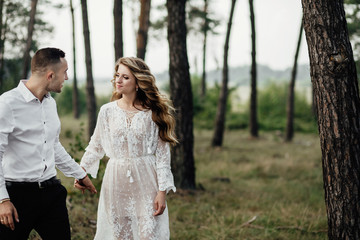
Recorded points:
(134, 131)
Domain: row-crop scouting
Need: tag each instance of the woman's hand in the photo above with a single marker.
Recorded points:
(159, 203)
(84, 184)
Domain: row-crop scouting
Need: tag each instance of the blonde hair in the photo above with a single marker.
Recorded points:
(149, 97)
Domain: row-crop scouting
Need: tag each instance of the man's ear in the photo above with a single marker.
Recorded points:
(50, 75)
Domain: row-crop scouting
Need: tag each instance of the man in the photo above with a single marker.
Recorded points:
(31, 197)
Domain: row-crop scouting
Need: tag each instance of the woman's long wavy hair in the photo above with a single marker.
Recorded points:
(149, 97)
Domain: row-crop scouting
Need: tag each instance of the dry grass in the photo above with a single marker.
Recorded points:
(248, 189)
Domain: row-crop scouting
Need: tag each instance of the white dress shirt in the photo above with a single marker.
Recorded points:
(29, 140)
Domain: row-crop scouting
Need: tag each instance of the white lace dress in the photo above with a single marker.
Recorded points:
(139, 166)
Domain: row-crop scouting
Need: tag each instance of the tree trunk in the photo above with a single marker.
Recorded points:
(75, 94)
(205, 30)
(181, 94)
(291, 94)
(144, 23)
(333, 76)
(118, 34)
(253, 123)
(90, 100)
(26, 58)
(221, 108)
(1, 41)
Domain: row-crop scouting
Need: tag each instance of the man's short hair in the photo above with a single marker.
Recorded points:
(45, 57)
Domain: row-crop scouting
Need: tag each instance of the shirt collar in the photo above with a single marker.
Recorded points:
(26, 93)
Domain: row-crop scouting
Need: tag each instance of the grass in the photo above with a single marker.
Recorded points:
(248, 189)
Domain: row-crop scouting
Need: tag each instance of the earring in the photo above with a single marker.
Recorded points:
(137, 89)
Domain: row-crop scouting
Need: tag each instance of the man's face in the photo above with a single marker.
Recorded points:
(59, 76)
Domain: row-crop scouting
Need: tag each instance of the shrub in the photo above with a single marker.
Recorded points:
(64, 100)
(271, 109)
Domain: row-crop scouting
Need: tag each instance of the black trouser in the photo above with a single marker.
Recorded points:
(42, 209)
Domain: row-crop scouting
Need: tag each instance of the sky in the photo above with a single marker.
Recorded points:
(277, 28)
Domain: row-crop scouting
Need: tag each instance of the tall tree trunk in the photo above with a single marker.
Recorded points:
(75, 94)
(90, 100)
(144, 23)
(333, 76)
(118, 33)
(253, 123)
(221, 107)
(205, 30)
(181, 94)
(1, 41)
(291, 94)
(26, 58)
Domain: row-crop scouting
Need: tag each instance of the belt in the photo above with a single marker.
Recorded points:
(45, 184)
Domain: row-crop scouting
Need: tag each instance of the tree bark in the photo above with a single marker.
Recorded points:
(90, 100)
(291, 94)
(205, 30)
(221, 107)
(26, 58)
(75, 94)
(253, 123)
(181, 94)
(118, 33)
(1, 41)
(144, 23)
(333, 76)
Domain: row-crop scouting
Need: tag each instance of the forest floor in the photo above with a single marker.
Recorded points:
(249, 189)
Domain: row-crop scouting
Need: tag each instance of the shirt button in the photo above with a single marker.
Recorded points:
(45, 141)
(44, 122)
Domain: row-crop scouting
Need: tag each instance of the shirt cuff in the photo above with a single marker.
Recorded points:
(3, 193)
(80, 174)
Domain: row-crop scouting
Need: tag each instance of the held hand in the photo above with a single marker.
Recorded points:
(84, 184)
(79, 186)
(7, 215)
(160, 203)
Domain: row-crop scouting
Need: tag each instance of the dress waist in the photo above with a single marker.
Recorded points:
(132, 158)
(132, 162)
(128, 160)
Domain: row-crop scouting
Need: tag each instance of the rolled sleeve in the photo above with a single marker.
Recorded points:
(65, 163)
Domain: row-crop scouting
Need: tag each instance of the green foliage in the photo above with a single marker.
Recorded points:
(271, 109)
(272, 102)
(78, 144)
(64, 100)
(205, 108)
(12, 74)
(15, 24)
(352, 8)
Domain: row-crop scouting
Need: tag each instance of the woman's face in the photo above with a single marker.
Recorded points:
(125, 82)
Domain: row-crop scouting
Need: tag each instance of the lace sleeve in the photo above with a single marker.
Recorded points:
(163, 168)
(94, 151)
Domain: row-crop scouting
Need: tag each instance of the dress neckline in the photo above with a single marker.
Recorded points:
(129, 111)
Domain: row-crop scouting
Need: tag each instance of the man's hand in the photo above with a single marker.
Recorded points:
(7, 215)
(84, 184)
